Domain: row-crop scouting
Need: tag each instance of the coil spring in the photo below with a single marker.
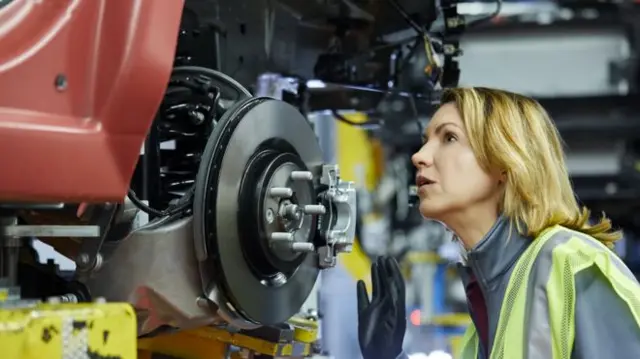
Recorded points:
(194, 101)
(188, 114)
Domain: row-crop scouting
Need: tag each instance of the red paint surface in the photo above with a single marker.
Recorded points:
(81, 143)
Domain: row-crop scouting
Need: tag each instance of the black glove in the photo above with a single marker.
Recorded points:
(382, 321)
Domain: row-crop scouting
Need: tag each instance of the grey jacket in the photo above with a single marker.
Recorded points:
(604, 326)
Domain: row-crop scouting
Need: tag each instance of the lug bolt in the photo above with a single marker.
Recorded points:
(281, 236)
(302, 247)
(314, 209)
(301, 176)
(281, 192)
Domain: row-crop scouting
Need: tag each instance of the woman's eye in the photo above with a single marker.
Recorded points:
(449, 137)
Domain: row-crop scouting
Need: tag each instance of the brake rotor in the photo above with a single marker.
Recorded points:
(250, 184)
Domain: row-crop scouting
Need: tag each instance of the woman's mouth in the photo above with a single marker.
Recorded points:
(423, 181)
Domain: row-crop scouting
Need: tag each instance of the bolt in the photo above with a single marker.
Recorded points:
(314, 209)
(301, 176)
(302, 247)
(279, 279)
(61, 82)
(98, 262)
(269, 215)
(54, 300)
(65, 298)
(202, 303)
(69, 298)
(83, 259)
(281, 192)
(292, 211)
(281, 236)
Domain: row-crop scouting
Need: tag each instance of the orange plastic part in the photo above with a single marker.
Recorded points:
(80, 83)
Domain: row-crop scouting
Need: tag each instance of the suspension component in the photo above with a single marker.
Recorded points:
(195, 100)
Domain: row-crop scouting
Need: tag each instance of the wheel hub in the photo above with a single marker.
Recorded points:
(253, 227)
(268, 214)
(277, 224)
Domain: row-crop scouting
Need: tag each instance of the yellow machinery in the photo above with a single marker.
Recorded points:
(210, 342)
(93, 330)
(30, 330)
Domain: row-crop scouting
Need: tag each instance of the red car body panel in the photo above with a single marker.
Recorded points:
(80, 84)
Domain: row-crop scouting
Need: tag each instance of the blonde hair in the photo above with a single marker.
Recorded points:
(513, 133)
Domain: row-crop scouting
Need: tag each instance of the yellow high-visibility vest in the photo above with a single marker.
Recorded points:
(561, 254)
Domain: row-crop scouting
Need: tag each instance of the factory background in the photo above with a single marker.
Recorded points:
(367, 108)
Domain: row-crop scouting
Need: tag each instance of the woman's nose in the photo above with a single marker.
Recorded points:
(418, 159)
(424, 157)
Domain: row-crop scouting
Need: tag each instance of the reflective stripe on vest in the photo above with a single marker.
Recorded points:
(541, 293)
(470, 344)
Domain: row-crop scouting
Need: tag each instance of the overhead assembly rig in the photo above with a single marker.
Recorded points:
(244, 213)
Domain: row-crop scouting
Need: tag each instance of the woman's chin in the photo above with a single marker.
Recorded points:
(429, 210)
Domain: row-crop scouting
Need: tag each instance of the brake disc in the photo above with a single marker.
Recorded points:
(254, 219)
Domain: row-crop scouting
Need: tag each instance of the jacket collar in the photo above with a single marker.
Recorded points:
(495, 254)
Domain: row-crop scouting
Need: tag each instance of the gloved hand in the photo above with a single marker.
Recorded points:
(382, 320)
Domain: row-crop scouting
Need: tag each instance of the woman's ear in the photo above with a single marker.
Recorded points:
(503, 177)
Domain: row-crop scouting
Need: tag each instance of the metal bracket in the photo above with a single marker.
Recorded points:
(89, 257)
(49, 231)
(11, 235)
(338, 224)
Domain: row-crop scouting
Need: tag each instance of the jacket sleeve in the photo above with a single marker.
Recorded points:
(604, 324)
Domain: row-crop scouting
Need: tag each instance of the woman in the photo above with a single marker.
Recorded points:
(540, 279)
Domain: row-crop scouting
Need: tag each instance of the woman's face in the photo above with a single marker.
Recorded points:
(449, 177)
